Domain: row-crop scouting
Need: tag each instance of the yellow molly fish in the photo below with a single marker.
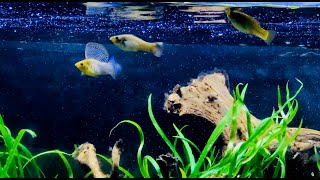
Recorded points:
(97, 63)
(249, 25)
(129, 42)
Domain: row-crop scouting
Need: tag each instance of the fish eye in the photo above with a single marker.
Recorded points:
(81, 64)
(117, 38)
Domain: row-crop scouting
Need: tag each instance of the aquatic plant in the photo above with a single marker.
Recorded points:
(16, 160)
(15, 154)
(245, 159)
(248, 158)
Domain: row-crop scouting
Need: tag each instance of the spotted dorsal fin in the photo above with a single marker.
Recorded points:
(96, 51)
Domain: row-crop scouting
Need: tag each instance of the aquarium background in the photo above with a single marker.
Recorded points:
(40, 88)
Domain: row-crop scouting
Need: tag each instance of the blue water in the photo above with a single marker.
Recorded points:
(42, 90)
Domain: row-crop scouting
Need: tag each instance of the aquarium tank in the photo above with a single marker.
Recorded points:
(159, 89)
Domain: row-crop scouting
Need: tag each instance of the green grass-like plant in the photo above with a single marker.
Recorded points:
(245, 159)
(16, 160)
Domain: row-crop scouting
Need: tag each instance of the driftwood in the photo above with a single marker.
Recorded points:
(168, 164)
(208, 97)
(86, 154)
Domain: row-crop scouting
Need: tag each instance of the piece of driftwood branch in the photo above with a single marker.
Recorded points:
(115, 157)
(208, 97)
(167, 163)
(86, 154)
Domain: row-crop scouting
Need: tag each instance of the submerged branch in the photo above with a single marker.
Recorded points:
(209, 97)
(86, 154)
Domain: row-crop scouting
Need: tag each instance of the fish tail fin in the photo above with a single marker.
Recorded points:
(271, 35)
(158, 49)
(116, 67)
(235, 9)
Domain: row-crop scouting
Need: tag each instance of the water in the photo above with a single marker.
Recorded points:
(43, 91)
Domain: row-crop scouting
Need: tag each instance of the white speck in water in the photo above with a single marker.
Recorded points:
(220, 34)
(312, 174)
(288, 42)
(10, 8)
(305, 54)
(296, 155)
(285, 54)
